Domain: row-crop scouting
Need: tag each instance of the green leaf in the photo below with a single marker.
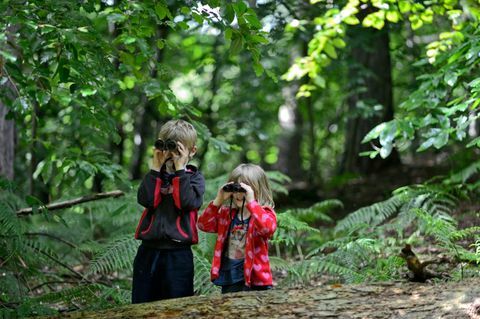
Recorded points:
(198, 18)
(351, 20)
(88, 91)
(229, 13)
(330, 50)
(374, 133)
(393, 16)
(258, 69)
(404, 6)
(129, 81)
(386, 150)
(253, 20)
(228, 34)
(7, 55)
(63, 72)
(339, 43)
(237, 44)
(258, 39)
(450, 78)
(416, 22)
(440, 140)
(474, 142)
(240, 7)
(42, 97)
(161, 11)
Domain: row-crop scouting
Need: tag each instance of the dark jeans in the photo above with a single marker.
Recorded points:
(240, 286)
(162, 274)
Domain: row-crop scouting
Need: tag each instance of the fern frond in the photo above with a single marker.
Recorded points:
(10, 225)
(288, 221)
(82, 294)
(317, 265)
(202, 283)
(118, 255)
(465, 174)
(277, 181)
(316, 212)
(371, 215)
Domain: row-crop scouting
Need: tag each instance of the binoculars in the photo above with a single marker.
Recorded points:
(168, 145)
(234, 188)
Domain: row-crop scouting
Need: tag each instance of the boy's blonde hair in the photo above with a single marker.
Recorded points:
(179, 130)
(254, 176)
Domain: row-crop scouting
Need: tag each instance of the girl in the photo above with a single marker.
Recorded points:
(240, 260)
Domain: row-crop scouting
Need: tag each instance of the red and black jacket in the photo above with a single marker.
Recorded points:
(171, 205)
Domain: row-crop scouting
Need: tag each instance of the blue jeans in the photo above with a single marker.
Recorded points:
(162, 274)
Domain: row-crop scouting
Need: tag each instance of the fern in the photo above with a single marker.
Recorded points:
(277, 181)
(118, 255)
(372, 215)
(316, 212)
(202, 283)
(465, 174)
(305, 270)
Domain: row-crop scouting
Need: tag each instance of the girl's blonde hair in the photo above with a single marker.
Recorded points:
(254, 176)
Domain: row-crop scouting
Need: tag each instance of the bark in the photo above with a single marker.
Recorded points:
(72, 202)
(7, 142)
(371, 70)
(291, 122)
(387, 300)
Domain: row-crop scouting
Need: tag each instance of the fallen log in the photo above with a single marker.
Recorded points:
(384, 300)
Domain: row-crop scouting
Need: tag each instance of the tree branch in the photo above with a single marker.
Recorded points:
(72, 202)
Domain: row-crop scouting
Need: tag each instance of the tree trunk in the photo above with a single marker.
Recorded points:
(143, 127)
(291, 123)
(371, 83)
(7, 142)
(387, 300)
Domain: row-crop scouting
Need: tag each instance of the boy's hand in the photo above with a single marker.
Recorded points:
(180, 158)
(250, 195)
(221, 195)
(159, 158)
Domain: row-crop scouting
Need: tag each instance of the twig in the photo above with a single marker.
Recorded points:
(72, 202)
(79, 275)
(54, 282)
(54, 237)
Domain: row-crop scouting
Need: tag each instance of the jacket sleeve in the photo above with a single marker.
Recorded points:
(188, 190)
(149, 194)
(264, 219)
(208, 221)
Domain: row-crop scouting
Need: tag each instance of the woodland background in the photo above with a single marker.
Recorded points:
(364, 113)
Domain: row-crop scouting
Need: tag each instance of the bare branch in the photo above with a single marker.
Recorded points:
(72, 202)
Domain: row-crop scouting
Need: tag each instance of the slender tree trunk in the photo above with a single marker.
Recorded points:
(7, 142)
(210, 122)
(291, 122)
(147, 114)
(371, 83)
(33, 147)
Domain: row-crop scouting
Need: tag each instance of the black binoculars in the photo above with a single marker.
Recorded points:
(168, 145)
(234, 188)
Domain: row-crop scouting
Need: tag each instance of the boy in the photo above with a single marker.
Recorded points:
(172, 193)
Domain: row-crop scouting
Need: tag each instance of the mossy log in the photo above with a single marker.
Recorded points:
(384, 300)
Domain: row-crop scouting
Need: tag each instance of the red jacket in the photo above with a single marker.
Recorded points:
(262, 225)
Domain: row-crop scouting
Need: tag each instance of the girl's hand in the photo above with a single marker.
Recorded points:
(250, 195)
(221, 195)
(159, 158)
(180, 158)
